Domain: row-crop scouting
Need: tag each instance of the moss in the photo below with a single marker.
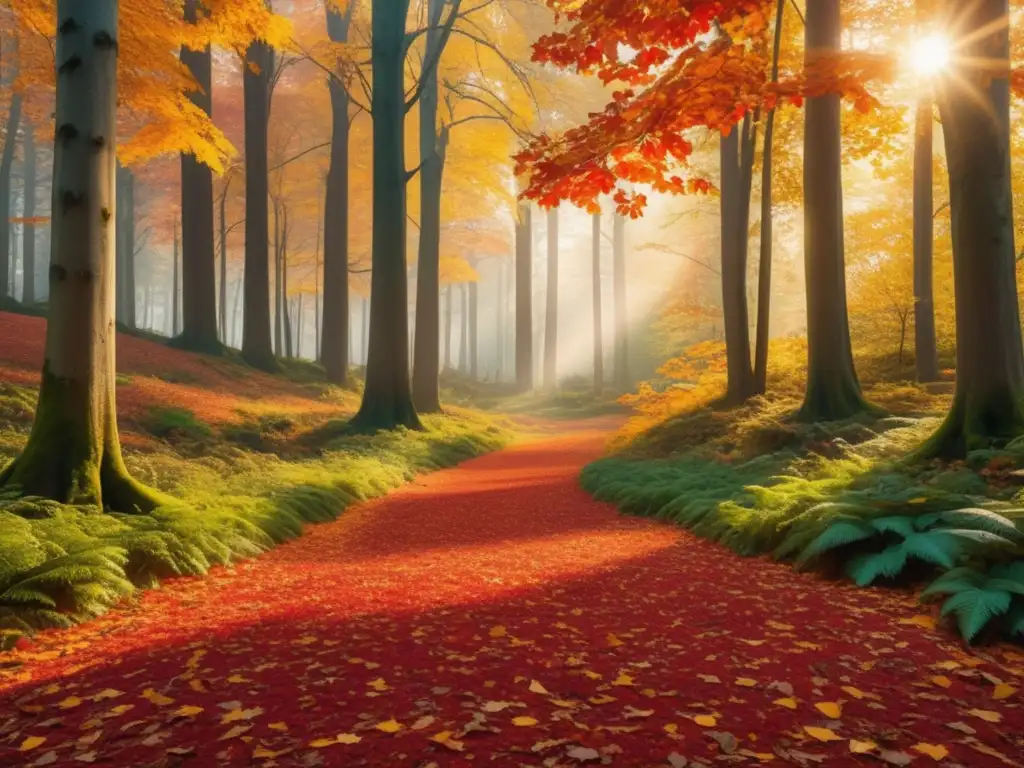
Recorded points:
(173, 422)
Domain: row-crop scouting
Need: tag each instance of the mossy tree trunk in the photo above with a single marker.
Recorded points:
(28, 250)
(256, 340)
(988, 405)
(73, 454)
(387, 397)
(198, 262)
(125, 236)
(524, 299)
(764, 272)
(335, 351)
(551, 308)
(596, 304)
(833, 391)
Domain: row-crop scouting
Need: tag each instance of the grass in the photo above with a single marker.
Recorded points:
(251, 459)
(753, 479)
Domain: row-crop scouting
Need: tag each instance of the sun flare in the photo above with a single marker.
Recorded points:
(930, 55)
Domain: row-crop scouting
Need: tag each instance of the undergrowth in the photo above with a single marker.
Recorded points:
(839, 496)
(60, 564)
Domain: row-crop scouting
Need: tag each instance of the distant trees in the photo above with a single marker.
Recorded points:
(524, 298)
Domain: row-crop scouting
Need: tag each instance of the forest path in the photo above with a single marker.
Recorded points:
(493, 614)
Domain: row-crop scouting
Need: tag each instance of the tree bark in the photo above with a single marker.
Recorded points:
(464, 329)
(551, 310)
(286, 305)
(73, 454)
(833, 391)
(176, 285)
(448, 328)
(6, 165)
(622, 381)
(256, 338)
(125, 236)
(764, 272)
(318, 266)
(474, 328)
(387, 397)
(988, 405)
(28, 251)
(198, 263)
(335, 350)
(734, 265)
(597, 326)
(925, 352)
(524, 299)
(222, 309)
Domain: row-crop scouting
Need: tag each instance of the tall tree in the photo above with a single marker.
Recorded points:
(198, 264)
(6, 166)
(925, 348)
(125, 225)
(551, 309)
(474, 327)
(335, 350)
(28, 251)
(524, 299)
(176, 283)
(621, 312)
(833, 391)
(256, 344)
(596, 285)
(764, 271)
(73, 454)
(973, 98)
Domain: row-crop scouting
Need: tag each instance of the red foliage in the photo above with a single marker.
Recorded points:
(495, 591)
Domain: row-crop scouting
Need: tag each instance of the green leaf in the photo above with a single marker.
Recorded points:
(974, 518)
(1015, 619)
(866, 568)
(936, 547)
(904, 526)
(975, 608)
(954, 581)
(837, 535)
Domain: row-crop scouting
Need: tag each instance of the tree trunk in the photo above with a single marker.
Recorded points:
(833, 391)
(734, 267)
(317, 267)
(764, 273)
(335, 350)
(235, 312)
(256, 339)
(125, 236)
(6, 164)
(223, 288)
(622, 381)
(73, 454)
(598, 330)
(551, 313)
(448, 328)
(286, 303)
(198, 264)
(277, 278)
(925, 352)
(988, 405)
(524, 300)
(28, 251)
(464, 329)
(176, 285)
(387, 397)
(474, 330)
(366, 330)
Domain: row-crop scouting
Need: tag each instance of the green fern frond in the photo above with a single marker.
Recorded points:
(975, 608)
(953, 582)
(838, 535)
(904, 526)
(974, 518)
(864, 569)
(940, 548)
(1015, 619)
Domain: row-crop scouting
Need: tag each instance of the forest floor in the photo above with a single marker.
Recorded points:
(495, 614)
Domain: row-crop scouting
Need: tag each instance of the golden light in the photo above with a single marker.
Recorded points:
(930, 55)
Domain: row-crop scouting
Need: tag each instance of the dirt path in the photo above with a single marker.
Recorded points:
(494, 614)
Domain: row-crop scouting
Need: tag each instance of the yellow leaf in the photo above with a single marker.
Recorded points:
(829, 709)
(235, 732)
(808, 645)
(188, 710)
(197, 686)
(31, 743)
(934, 751)
(321, 743)
(746, 682)
(442, 737)
(623, 679)
(69, 703)
(948, 665)
(671, 728)
(857, 693)
(613, 641)
(120, 709)
(821, 734)
(498, 631)
(706, 721)
(157, 698)
(987, 715)
(601, 699)
(238, 679)
(524, 721)
(942, 681)
(1003, 691)
(278, 726)
(788, 703)
(378, 684)
(389, 726)
(921, 621)
(268, 754)
(536, 687)
(348, 738)
(241, 714)
(862, 747)
(106, 693)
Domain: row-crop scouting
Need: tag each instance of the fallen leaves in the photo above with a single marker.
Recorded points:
(157, 698)
(341, 738)
(985, 714)
(934, 751)
(705, 721)
(859, 747)
(31, 742)
(524, 721)
(829, 709)
(821, 734)
(389, 726)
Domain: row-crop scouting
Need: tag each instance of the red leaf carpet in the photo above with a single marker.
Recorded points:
(494, 614)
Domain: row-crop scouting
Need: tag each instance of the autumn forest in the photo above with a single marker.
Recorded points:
(529, 383)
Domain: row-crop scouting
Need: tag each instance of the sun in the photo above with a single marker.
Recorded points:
(930, 55)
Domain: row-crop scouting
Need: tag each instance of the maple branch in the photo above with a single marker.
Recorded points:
(940, 209)
(674, 252)
(301, 154)
(514, 68)
(411, 37)
(799, 13)
(337, 78)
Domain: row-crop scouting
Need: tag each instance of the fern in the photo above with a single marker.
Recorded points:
(976, 598)
(972, 517)
(974, 609)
